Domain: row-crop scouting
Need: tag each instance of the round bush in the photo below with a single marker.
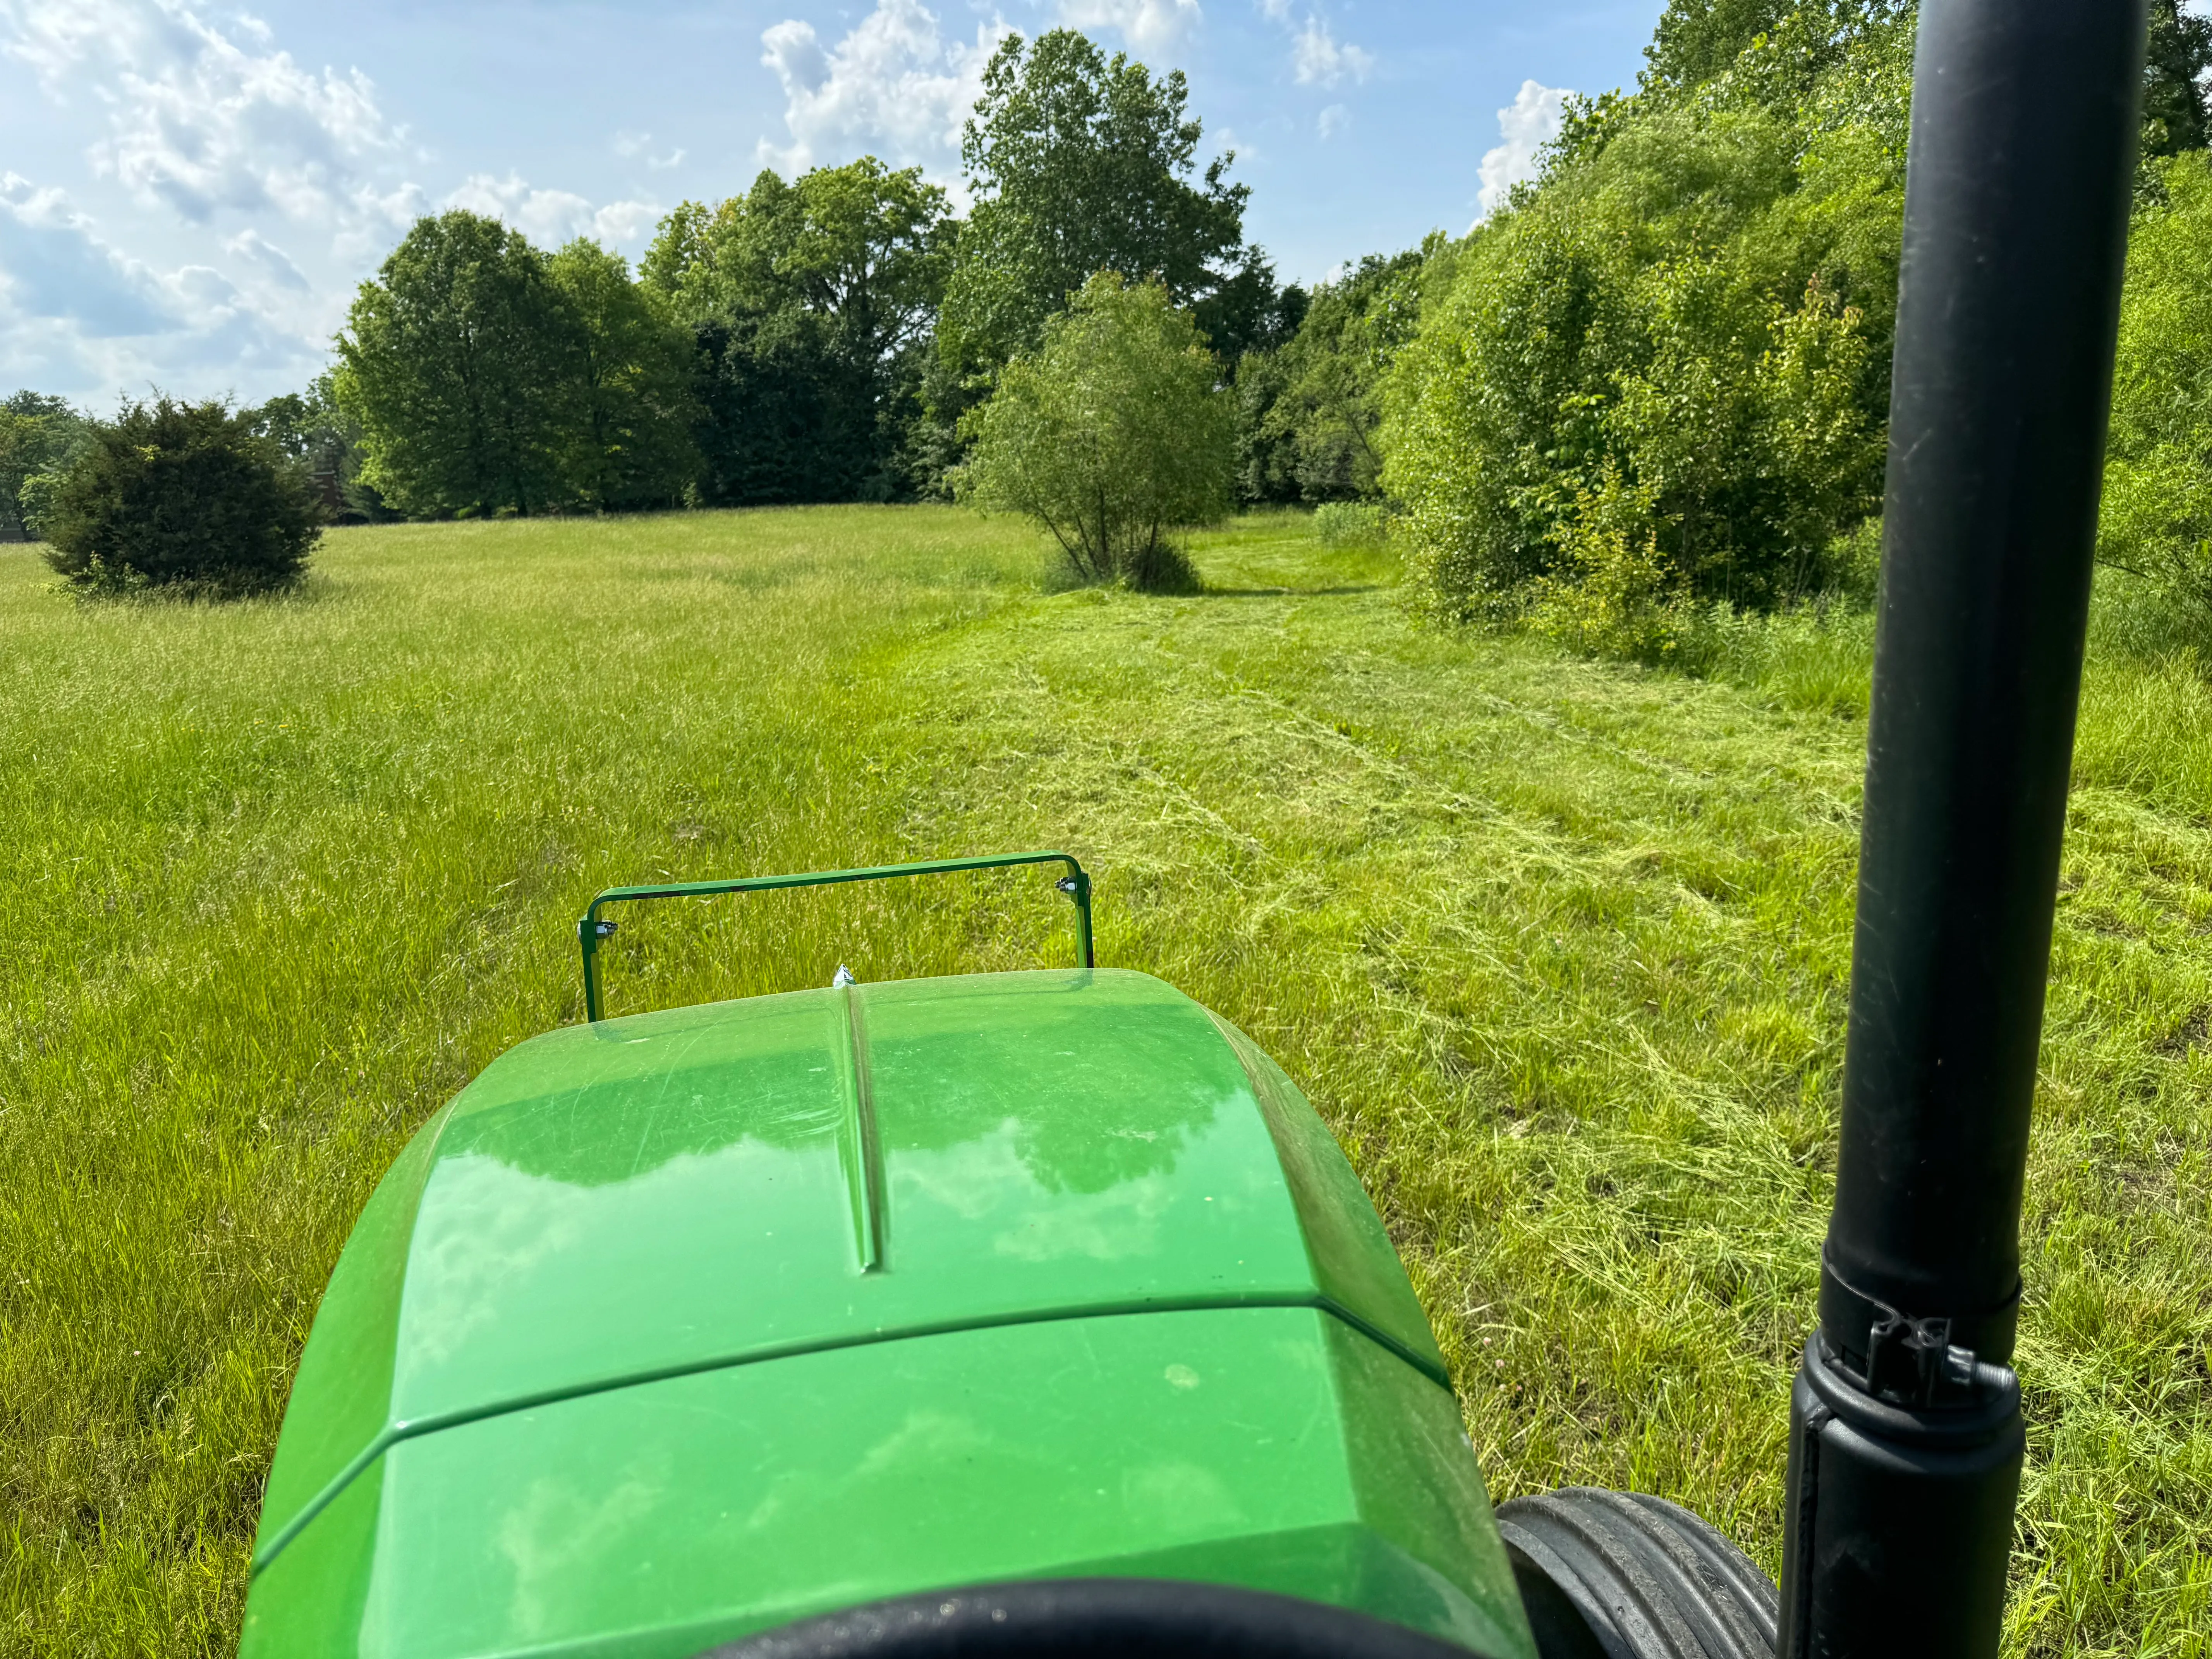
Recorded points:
(182, 496)
(1114, 434)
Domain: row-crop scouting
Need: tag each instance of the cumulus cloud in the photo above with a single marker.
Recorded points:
(1526, 125)
(894, 83)
(53, 266)
(1147, 25)
(1319, 59)
(552, 216)
(1333, 119)
(624, 224)
(268, 259)
(206, 115)
(77, 314)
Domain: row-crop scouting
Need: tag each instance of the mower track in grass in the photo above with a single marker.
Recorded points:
(1560, 949)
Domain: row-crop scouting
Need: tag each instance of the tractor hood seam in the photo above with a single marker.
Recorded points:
(409, 1429)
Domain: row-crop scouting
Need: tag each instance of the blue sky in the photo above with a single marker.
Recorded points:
(189, 193)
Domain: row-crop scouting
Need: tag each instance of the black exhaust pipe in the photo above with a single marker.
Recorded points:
(1905, 1436)
(1906, 1431)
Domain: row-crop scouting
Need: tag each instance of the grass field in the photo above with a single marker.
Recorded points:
(1559, 948)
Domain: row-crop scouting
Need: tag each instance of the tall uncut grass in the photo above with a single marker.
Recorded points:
(1559, 948)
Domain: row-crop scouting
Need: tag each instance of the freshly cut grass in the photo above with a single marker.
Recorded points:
(1559, 948)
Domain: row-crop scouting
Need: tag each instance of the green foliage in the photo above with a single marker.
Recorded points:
(863, 246)
(40, 437)
(1349, 524)
(34, 500)
(2174, 70)
(2157, 520)
(183, 497)
(1669, 361)
(812, 304)
(1311, 410)
(462, 363)
(325, 441)
(630, 446)
(1080, 164)
(479, 375)
(1700, 40)
(1611, 591)
(1112, 434)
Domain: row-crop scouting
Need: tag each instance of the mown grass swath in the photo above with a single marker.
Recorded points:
(1559, 947)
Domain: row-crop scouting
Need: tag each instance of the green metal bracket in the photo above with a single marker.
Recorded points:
(590, 930)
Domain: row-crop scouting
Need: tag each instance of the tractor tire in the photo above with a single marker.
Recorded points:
(1609, 1575)
(1093, 1618)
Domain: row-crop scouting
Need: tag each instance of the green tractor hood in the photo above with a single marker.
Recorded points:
(681, 1326)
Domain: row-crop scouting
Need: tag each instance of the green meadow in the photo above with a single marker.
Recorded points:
(1559, 948)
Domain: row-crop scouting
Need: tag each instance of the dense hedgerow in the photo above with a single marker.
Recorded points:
(2157, 520)
(184, 496)
(1661, 374)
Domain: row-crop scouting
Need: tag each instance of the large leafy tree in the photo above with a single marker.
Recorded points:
(810, 302)
(863, 245)
(1082, 163)
(1112, 435)
(631, 443)
(462, 360)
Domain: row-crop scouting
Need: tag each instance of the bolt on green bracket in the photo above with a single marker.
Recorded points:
(592, 930)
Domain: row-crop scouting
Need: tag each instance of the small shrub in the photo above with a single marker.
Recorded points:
(1114, 434)
(1612, 592)
(182, 496)
(1348, 524)
(1851, 573)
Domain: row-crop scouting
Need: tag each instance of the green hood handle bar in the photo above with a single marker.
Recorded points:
(590, 930)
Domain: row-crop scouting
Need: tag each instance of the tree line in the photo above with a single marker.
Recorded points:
(1655, 379)
(812, 339)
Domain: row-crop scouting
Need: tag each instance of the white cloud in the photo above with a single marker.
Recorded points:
(1334, 120)
(374, 219)
(269, 259)
(1147, 25)
(1227, 141)
(625, 224)
(893, 83)
(205, 116)
(53, 266)
(1318, 58)
(1530, 122)
(77, 315)
(636, 146)
(551, 217)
